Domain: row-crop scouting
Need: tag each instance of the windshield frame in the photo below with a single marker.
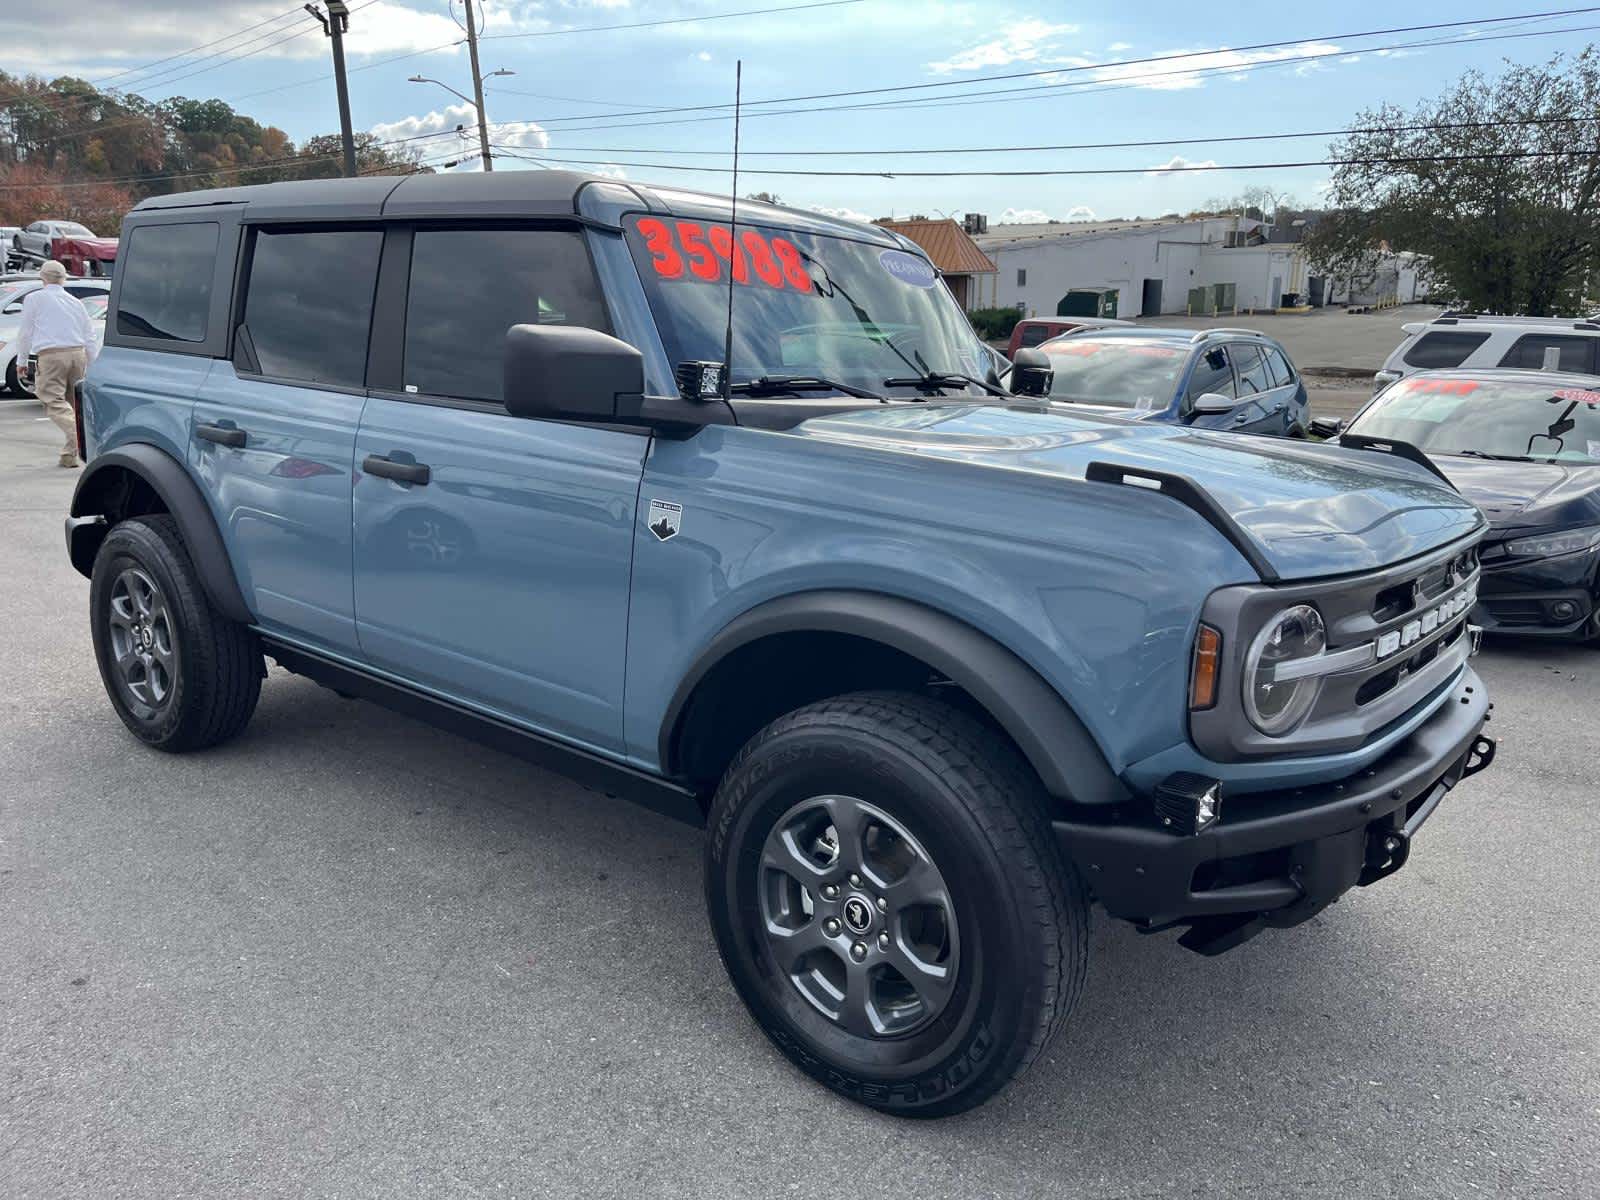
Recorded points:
(655, 304)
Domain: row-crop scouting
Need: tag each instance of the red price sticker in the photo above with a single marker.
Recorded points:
(690, 251)
(1578, 395)
(1440, 387)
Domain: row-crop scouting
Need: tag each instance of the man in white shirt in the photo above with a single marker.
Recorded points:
(56, 327)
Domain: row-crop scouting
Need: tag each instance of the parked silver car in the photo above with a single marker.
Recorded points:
(93, 292)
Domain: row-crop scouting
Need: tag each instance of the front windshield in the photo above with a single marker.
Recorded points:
(804, 304)
(1120, 372)
(1508, 419)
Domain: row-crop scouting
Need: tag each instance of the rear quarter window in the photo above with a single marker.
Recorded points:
(166, 281)
(1440, 348)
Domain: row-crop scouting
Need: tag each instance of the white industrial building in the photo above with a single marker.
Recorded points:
(1201, 266)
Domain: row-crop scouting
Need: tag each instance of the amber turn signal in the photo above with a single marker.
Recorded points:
(1204, 670)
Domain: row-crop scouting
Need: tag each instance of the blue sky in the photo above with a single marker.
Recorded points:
(565, 80)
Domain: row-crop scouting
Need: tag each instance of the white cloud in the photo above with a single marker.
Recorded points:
(1025, 41)
(844, 214)
(1178, 163)
(1038, 216)
(1119, 47)
(1185, 73)
(524, 135)
(610, 171)
(704, 56)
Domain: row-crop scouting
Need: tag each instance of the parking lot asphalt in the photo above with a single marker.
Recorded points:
(1323, 340)
(347, 955)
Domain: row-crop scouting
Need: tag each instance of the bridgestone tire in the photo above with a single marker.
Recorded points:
(216, 680)
(965, 795)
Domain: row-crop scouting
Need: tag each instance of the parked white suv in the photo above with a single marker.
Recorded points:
(1455, 339)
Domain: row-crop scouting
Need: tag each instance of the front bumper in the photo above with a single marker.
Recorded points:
(1549, 598)
(1278, 858)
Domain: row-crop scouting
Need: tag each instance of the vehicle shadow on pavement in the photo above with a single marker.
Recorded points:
(554, 934)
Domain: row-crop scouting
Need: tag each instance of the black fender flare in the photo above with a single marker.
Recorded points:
(181, 497)
(1038, 719)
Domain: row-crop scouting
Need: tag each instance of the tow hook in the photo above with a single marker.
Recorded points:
(1387, 851)
(1480, 756)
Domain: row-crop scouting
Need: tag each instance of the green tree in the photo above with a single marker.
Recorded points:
(1497, 181)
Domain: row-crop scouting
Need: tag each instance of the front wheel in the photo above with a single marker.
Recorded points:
(14, 383)
(890, 903)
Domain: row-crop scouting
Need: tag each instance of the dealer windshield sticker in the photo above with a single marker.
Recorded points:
(1578, 395)
(969, 362)
(1594, 448)
(665, 519)
(691, 252)
(908, 268)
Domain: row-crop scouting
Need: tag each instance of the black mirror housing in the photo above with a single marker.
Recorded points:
(1031, 373)
(1326, 427)
(568, 373)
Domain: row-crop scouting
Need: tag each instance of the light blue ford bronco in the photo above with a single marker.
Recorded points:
(728, 512)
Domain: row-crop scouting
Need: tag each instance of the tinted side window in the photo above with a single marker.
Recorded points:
(1530, 347)
(166, 281)
(1441, 349)
(1211, 374)
(1032, 335)
(1253, 377)
(468, 286)
(308, 306)
(1282, 372)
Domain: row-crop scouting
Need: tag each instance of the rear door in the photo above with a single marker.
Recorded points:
(275, 427)
(493, 552)
(1259, 409)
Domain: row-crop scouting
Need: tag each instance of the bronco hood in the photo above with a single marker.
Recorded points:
(1313, 510)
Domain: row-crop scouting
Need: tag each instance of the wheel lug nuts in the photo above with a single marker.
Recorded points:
(831, 927)
(858, 951)
(855, 881)
(883, 941)
(883, 905)
(830, 891)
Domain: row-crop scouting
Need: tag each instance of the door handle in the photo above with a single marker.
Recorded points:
(404, 472)
(222, 435)
(1241, 418)
(1280, 406)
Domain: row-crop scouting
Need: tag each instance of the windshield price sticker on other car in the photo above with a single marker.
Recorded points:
(908, 268)
(1578, 395)
(693, 252)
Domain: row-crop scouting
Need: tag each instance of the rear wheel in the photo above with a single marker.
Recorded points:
(890, 903)
(180, 674)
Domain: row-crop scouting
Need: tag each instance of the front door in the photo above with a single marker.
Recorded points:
(1262, 408)
(273, 431)
(493, 553)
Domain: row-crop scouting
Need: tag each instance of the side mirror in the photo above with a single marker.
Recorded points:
(11, 309)
(568, 373)
(1213, 403)
(1031, 373)
(1326, 427)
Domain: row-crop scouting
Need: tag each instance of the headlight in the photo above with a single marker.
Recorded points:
(1547, 545)
(1276, 705)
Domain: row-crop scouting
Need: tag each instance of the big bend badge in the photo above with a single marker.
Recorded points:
(665, 519)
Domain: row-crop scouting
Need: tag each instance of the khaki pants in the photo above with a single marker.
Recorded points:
(59, 369)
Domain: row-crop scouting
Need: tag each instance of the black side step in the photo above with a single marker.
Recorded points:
(1189, 493)
(1405, 450)
(591, 770)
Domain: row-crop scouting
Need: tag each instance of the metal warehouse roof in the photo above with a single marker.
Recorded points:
(947, 244)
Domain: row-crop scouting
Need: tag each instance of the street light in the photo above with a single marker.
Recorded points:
(483, 126)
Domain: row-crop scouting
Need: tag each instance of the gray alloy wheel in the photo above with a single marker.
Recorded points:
(143, 646)
(859, 917)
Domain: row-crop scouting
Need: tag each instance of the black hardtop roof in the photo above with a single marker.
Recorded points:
(502, 194)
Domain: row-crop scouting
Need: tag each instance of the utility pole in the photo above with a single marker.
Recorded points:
(335, 25)
(477, 87)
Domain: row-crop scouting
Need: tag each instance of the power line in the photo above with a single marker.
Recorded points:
(291, 12)
(1118, 64)
(1156, 170)
(749, 12)
(1180, 141)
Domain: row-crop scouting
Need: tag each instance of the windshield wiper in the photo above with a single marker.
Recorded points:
(933, 380)
(769, 385)
(1496, 457)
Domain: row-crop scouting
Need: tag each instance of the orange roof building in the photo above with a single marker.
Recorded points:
(955, 254)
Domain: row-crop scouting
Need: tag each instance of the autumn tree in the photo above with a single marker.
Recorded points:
(1496, 180)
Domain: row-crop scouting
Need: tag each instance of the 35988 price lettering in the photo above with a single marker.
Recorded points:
(689, 250)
